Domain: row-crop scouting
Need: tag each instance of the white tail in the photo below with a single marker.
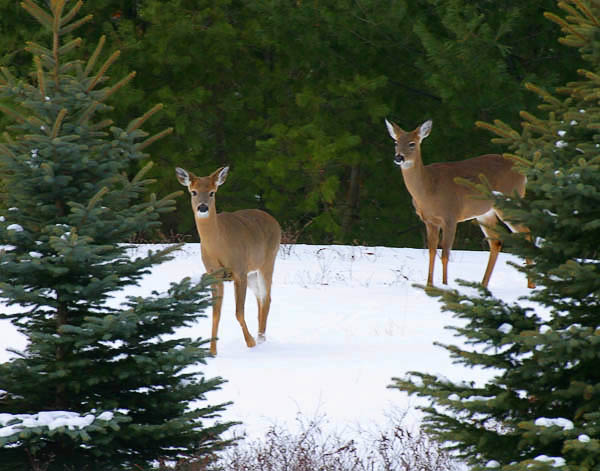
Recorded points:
(442, 203)
(239, 246)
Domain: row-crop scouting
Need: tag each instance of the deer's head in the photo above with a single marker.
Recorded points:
(202, 189)
(408, 144)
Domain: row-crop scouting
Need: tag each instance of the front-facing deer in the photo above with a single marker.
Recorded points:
(241, 246)
(441, 202)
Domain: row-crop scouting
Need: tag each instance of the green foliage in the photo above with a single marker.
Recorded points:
(115, 375)
(540, 410)
(292, 95)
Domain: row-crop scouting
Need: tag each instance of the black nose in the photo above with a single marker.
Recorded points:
(398, 159)
(202, 208)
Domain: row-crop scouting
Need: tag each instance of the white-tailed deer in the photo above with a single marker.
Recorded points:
(441, 202)
(239, 246)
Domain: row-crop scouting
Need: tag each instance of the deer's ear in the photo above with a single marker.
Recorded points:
(220, 175)
(391, 130)
(183, 176)
(425, 129)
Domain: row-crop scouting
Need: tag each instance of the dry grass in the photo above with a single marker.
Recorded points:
(313, 449)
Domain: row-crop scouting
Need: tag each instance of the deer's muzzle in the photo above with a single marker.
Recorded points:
(399, 159)
(202, 210)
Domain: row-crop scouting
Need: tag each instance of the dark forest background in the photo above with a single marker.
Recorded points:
(292, 94)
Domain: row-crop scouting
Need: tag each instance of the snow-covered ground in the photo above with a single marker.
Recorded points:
(343, 321)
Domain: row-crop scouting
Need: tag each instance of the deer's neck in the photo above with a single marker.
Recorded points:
(208, 228)
(418, 180)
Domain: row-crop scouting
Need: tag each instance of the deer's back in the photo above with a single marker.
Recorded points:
(497, 170)
(452, 200)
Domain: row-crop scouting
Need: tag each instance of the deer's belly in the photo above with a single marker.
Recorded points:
(429, 218)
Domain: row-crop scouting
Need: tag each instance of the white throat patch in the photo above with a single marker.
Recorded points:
(405, 164)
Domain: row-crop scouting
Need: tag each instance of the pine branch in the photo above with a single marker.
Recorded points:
(114, 56)
(586, 11)
(8, 77)
(170, 197)
(58, 122)
(39, 14)
(547, 97)
(88, 112)
(74, 26)
(468, 183)
(13, 114)
(5, 150)
(531, 118)
(136, 123)
(143, 171)
(8, 138)
(102, 124)
(576, 17)
(71, 14)
(57, 7)
(92, 60)
(40, 76)
(96, 198)
(124, 81)
(589, 75)
(37, 49)
(142, 145)
(499, 128)
(70, 46)
(566, 27)
(518, 159)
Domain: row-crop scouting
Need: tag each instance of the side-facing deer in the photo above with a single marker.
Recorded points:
(239, 246)
(441, 202)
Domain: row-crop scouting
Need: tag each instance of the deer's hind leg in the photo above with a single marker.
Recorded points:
(448, 235)
(240, 285)
(261, 286)
(524, 230)
(487, 222)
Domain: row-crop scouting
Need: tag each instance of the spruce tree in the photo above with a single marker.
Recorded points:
(540, 411)
(100, 384)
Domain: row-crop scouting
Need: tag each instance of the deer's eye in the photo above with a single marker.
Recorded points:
(412, 145)
(211, 194)
(193, 192)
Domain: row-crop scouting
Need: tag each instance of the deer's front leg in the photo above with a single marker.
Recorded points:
(217, 294)
(240, 284)
(433, 237)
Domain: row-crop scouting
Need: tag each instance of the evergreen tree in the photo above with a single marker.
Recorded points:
(541, 409)
(101, 384)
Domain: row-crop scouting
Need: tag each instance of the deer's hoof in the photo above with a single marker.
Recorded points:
(261, 338)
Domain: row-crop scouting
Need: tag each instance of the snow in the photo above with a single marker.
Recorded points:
(553, 460)
(343, 321)
(565, 424)
(10, 424)
(505, 328)
(561, 144)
